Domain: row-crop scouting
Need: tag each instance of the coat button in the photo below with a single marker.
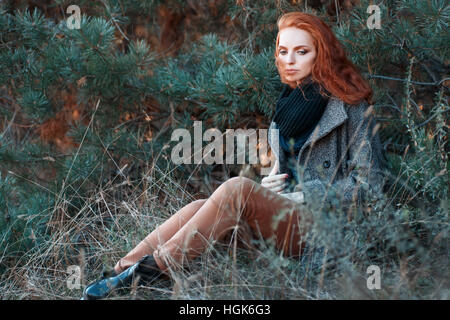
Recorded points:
(326, 164)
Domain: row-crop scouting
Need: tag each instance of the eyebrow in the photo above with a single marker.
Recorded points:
(302, 46)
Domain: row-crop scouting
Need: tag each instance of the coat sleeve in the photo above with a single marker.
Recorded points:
(364, 161)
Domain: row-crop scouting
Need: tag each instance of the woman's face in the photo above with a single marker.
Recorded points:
(296, 55)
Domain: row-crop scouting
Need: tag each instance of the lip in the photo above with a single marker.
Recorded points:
(291, 70)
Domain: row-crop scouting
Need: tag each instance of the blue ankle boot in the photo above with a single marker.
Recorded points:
(146, 269)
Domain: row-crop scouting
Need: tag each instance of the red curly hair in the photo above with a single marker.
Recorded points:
(332, 69)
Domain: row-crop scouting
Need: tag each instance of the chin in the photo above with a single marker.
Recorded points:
(292, 79)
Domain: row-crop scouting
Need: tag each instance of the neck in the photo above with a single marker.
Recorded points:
(300, 83)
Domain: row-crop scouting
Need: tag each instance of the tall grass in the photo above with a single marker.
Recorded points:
(404, 233)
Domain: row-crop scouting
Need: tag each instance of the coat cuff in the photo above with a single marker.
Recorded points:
(313, 190)
(295, 196)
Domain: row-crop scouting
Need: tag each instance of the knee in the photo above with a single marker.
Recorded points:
(199, 202)
(238, 183)
(235, 188)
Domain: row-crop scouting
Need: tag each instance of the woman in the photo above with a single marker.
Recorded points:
(325, 132)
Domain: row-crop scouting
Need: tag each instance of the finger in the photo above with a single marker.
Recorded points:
(279, 188)
(275, 178)
(278, 183)
(277, 167)
(280, 175)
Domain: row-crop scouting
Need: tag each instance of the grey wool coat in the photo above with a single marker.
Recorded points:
(342, 159)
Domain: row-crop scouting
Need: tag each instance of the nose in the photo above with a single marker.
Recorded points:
(290, 58)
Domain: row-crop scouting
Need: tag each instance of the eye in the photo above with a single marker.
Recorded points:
(301, 52)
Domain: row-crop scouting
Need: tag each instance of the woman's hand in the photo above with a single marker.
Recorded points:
(276, 182)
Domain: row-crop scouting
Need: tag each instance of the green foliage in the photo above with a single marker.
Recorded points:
(35, 104)
(227, 81)
(25, 214)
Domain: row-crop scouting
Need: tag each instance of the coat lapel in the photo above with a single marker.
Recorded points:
(333, 116)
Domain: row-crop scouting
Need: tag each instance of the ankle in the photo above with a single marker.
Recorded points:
(161, 266)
